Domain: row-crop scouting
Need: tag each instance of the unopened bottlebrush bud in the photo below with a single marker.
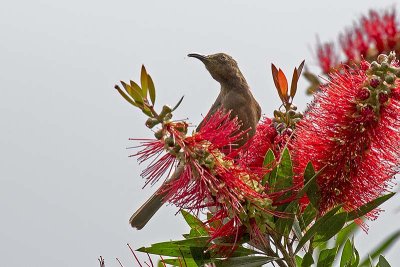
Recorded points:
(165, 110)
(382, 58)
(383, 98)
(181, 127)
(169, 141)
(384, 66)
(363, 94)
(375, 65)
(291, 113)
(390, 78)
(374, 82)
(150, 123)
(159, 134)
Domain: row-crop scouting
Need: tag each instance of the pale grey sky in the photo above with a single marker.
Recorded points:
(67, 186)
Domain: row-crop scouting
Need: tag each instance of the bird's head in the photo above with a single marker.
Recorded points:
(222, 67)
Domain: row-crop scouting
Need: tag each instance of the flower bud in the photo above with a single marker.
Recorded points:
(375, 65)
(390, 78)
(382, 58)
(159, 134)
(363, 94)
(150, 123)
(374, 82)
(383, 98)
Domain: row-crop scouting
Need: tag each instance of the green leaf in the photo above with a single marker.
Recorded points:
(284, 224)
(297, 229)
(195, 224)
(143, 82)
(178, 249)
(383, 262)
(189, 262)
(127, 98)
(307, 260)
(285, 170)
(350, 256)
(248, 261)
(331, 227)
(347, 254)
(201, 241)
(364, 209)
(132, 92)
(298, 260)
(269, 162)
(314, 229)
(311, 187)
(307, 216)
(344, 234)
(327, 257)
(382, 247)
(179, 102)
(152, 89)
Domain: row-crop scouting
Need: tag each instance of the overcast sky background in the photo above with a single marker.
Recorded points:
(67, 186)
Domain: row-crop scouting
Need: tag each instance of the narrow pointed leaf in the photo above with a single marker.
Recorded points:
(143, 82)
(382, 247)
(132, 92)
(317, 225)
(276, 81)
(307, 260)
(298, 260)
(364, 209)
(327, 257)
(383, 262)
(347, 255)
(331, 227)
(345, 233)
(300, 68)
(189, 262)
(194, 223)
(248, 261)
(179, 102)
(269, 162)
(311, 186)
(127, 98)
(152, 89)
(283, 85)
(307, 216)
(285, 171)
(293, 86)
(297, 229)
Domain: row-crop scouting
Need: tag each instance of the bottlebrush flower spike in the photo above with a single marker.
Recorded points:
(327, 57)
(210, 174)
(353, 128)
(374, 34)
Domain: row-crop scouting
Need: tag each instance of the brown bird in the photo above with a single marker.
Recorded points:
(234, 96)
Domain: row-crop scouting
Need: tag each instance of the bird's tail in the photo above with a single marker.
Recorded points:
(143, 215)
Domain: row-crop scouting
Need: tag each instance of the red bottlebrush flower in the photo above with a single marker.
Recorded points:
(374, 34)
(253, 154)
(327, 56)
(355, 138)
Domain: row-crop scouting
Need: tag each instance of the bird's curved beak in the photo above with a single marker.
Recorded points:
(198, 56)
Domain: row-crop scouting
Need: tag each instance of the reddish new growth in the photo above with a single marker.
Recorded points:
(352, 128)
(374, 34)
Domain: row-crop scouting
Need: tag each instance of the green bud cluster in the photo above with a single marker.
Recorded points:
(286, 119)
(376, 90)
